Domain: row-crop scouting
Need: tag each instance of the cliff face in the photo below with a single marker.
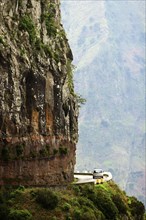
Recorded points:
(38, 109)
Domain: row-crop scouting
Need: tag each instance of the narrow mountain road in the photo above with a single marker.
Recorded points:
(107, 176)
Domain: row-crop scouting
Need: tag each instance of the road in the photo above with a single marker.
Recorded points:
(88, 178)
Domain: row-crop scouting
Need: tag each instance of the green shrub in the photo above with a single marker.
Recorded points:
(21, 188)
(19, 150)
(68, 217)
(55, 151)
(70, 72)
(76, 190)
(38, 44)
(41, 47)
(63, 151)
(50, 26)
(20, 214)
(83, 213)
(2, 199)
(80, 100)
(120, 204)
(22, 51)
(105, 204)
(43, 152)
(5, 194)
(99, 215)
(53, 218)
(83, 201)
(5, 153)
(47, 199)
(88, 215)
(33, 154)
(1, 40)
(101, 200)
(16, 193)
(4, 212)
(137, 208)
(74, 202)
(26, 24)
(49, 18)
(77, 214)
(88, 191)
(66, 207)
(33, 193)
(48, 147)
(47, 50)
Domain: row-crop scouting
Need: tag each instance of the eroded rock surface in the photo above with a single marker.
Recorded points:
(38, 108)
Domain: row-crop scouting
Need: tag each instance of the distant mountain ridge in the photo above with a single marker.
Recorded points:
(108, 39)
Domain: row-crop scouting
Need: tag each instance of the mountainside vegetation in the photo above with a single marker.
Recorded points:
(84, 202)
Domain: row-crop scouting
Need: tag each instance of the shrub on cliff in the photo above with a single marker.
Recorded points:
(101, 200)
(83, 213)
(47, 199)
(66, 207)
(19, 215)
(5, 153)
(63, 151)
(120, 204)
(88, 191)
(4, 212)
(105, 204)
(86, 202)
(19, 150)
(26, 23)
(137, 208)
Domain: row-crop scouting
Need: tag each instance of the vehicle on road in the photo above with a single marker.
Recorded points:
(97, 173)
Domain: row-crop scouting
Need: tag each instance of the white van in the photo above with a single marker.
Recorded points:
(97, 173)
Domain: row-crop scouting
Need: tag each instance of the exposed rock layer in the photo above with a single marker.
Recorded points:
(38, 110)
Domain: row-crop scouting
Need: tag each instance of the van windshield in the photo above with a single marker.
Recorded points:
(98, 171)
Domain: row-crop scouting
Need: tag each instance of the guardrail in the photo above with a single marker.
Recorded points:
(82, 179)
(83, 174)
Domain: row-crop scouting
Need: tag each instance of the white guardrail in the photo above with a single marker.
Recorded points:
(88, 177)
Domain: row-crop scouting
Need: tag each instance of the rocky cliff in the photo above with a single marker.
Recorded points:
(38, 109)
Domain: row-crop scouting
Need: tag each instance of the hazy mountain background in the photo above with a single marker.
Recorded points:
(108, 43)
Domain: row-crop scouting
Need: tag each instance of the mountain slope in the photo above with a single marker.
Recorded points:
(107, 39)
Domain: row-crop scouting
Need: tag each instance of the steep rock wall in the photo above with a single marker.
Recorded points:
(38, 109)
